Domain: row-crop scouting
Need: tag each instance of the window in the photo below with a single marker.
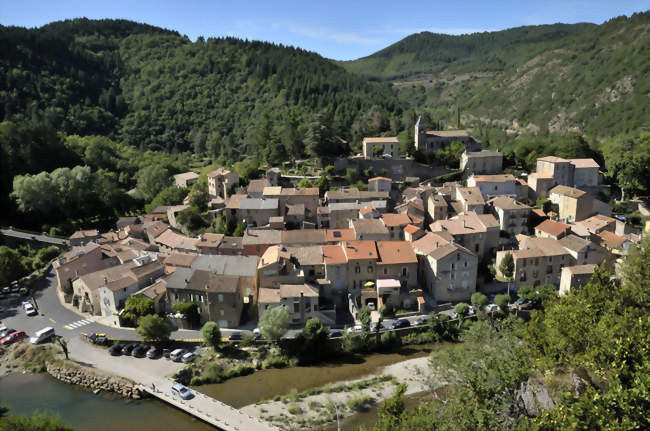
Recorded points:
(476, 247)
(220, 297)
(338, 270)
(385, 271)
(457, 256)
(221, 312)
(465, 264)
(357, 269)
(369, 269)
(296, 307)
(404, 272)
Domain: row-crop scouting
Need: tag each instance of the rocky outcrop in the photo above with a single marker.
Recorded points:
(88, 379)
(534, 397)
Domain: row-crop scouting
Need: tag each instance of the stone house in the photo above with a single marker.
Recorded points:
(481, 162)
(336, 267)
(573, 204)
(430, 141)
(398, 261)
(302, 301)
(340, 214)
(388, 145)
(81, 260)
(437, 208)
(256, 212)
(395, 223)
(256, 241)
(83, 237)
(575, 276)
(170, 241)
(512, 215)
(255, 188)
(209, 243)
(539, 185)
(334, 236)
(362, 263)
(479, 233)
(552, 229)
(221, 181)
(371, 229)
(494, 185)
(185, 179)
(380, 184)
(471, 199)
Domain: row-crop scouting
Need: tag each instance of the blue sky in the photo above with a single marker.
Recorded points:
(335, 29)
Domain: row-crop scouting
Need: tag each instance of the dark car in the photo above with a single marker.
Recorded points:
(401, 323)
(334, 333)
(116, 349)
(235, 336)
(166, 353)
(140, 351)
(128, 349)
(14, 287)
(154, 352)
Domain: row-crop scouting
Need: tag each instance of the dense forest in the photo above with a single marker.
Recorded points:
(585, 78)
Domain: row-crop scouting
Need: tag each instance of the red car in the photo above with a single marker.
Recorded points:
(13, 337)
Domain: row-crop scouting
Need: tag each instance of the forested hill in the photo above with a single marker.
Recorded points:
(156, 89)
(592, 79)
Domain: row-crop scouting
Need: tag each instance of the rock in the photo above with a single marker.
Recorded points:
(534, 397)
(578, 384)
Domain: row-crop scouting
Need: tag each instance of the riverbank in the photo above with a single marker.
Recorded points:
(319, 406)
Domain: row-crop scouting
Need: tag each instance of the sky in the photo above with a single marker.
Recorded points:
(342, 30)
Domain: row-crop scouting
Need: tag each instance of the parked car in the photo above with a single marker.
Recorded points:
(235, 336)
(5, 290)
(401, 323)
(128, 349)
(471, 310)
(525, 306)
(373, 327)
(334, 333)
(421, 320)
(257, 334)
(42, 335)
(154, 352)
(4, 331)
(140, 351)
(14, 287)
(177, 354)
(166, 353)
(179, 390)
(29, 308)
(13, 337)
(98, 338)
(491, 308)
(355, 328)
(188, 357)
(116, 349)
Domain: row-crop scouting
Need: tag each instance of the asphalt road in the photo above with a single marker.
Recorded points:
(65, 322)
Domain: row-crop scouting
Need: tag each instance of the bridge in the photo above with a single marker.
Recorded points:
(22, 236)
(205, 408)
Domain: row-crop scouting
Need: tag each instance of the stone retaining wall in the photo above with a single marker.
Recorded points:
(97, 383)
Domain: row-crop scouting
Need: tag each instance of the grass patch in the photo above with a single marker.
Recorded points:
(359, 402)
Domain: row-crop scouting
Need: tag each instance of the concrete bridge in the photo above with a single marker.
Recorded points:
(205, 408)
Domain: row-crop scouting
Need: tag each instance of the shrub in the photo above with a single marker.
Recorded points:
(358, 403)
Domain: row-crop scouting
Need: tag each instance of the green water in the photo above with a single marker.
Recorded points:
(265, 384)
(26, 393)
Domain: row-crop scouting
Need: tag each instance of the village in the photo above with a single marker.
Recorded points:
(406, 245)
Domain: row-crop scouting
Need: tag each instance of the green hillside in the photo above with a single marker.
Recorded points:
(591, 79)
(155, 89)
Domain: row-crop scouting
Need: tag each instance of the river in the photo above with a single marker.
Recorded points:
(84, 411)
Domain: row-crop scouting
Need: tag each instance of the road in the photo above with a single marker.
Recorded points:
(65, 322)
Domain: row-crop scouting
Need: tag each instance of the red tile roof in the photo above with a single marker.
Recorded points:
(553, 228)
(396, 252)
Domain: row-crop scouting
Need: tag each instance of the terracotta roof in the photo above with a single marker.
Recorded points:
(273, 254)
(584, 163)
(333, 254)
(367, 210)
(396, 252)
(186, 176)
(91, 233)
(369, 227)
(210, 240)
(174, 240)
(155, 292)
(553, 228)
(381, 140)
(214, 282)
(309, 255)
(449, 133)
(262, 236)
(272, 191)
(294, 290)
(548, 246)
(466, 223)
(304, 236)
(507, 203)
(597, 222)
(357, 250)
(412, 229)
(306, 191)
(235, 200)
(432, 241)
(446, 250)
(567, 191)
(393, 220)
(336, 235)
(552, 159)
(267, 295)
(257, 186)
(611, 240)
(231, 243)
(219, 171)
(539, 212)
(410, 204)
(574, 243)
(500, 178)
(380, 179)
(471, 195)
(581, 269)
(180, 259)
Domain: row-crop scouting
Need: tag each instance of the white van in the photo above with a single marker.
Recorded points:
(177, 354)
(42, 335)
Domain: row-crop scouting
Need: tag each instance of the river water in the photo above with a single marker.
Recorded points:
(84, 411)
